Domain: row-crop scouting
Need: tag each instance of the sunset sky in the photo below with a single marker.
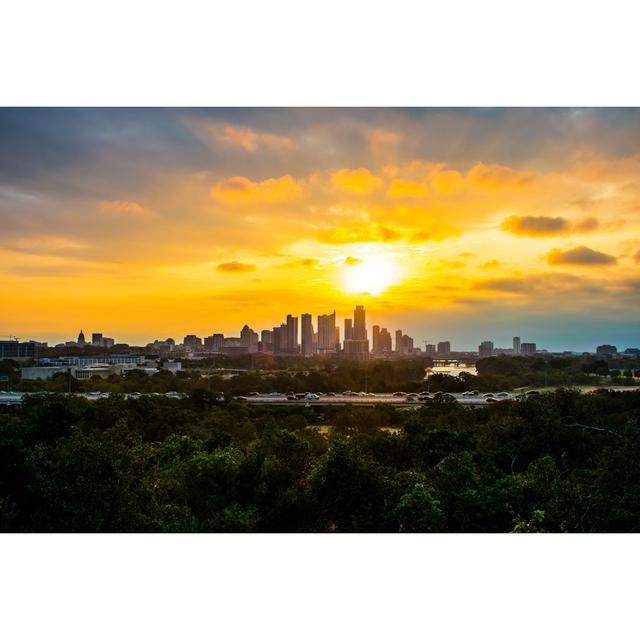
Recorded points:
(460, 224)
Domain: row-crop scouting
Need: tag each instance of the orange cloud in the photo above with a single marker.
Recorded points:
(350, 260)
(360, 181)
(435, 232)
(121, 206)
(235, 267)
(580, 256)
(447, 181)
(358, 233)
(241, 190)
(494, 177)
(407, 188)
(535, 225)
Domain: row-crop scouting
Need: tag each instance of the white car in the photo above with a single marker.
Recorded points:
(312, 396)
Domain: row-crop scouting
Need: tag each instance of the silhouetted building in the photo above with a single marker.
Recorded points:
(359, 323)
(96, 339)
(485, 350)
(81, 338)
(430, 350)
(15, 350)
(266, 339)
(292, 334)
(375, 339)
(327, 334)
(516, 345)
(192, 343)
(306, 334)
(528, 349)
(444, 349)
(249, 339)
(348, 329)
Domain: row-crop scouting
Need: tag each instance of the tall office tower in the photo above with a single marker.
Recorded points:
(266, 337)
(337, 339)
(444, 349)
(292, 333)
(96, 339)
(249, 339)
(375, 347)
(430, 350)
(398, 341)
(485, 350)
(359, 323)
(348, 329)
(407, 345)
(81, 339)
(327, 334)
(306, 334)
(516, 345)
(279, 334)
(384, 342)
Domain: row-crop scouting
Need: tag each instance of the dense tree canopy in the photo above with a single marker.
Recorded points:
(199, 464)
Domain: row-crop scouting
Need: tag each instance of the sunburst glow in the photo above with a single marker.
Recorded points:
(371, 274)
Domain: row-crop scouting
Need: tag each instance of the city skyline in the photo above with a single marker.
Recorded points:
(457, 224)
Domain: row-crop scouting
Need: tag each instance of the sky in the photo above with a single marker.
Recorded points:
(450, 224)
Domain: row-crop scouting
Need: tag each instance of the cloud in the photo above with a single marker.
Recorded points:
(251, 140)
(636, 257)
(382, 141)
(307, 263)
(490, 265)
(121, 206)
(539, 226)
(494, 177)
(358, 233)
(580, 256)
(535, 225)
(446, 182)
(241, 190)
(359, 181)
(586, 225)
(407, 188)
(235, 267)
(434, 232)
(350, 260)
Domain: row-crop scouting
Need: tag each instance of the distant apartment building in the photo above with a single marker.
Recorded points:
(485, 349)
(359, 323)
(528, 349)
(292, 345)
(430, 350)
(516, 345)
(384, 342)
(444, 349)
(96, 339)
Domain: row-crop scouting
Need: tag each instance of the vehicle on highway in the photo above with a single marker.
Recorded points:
(488, 395)
(532, 392)
(399, 394)
(312, 396)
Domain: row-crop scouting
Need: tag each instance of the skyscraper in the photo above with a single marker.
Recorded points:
(348, 329)
(292, 334)
(359, 323)
(306, 334)
(358, 346)
(375, 337)
(327, 334)
(81, 339)
(516, 345)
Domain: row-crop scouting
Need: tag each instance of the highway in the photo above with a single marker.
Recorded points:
(368, 400)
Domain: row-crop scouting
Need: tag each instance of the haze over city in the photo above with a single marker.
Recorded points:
(456, 224)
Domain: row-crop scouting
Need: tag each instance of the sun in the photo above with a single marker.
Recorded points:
(370, 274)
